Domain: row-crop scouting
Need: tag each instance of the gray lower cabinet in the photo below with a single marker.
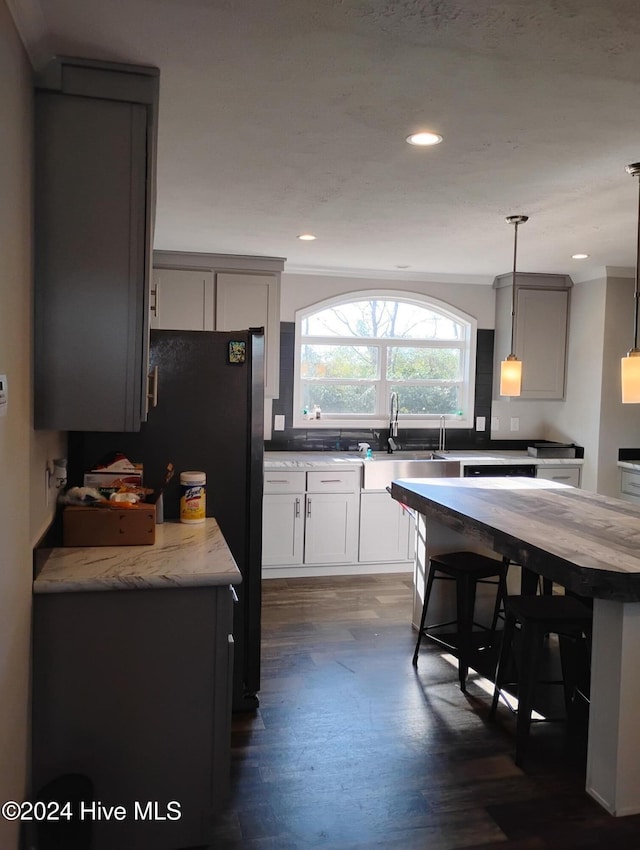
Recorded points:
(94, 199)
(132, 688)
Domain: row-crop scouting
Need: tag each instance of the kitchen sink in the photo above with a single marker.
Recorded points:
(382, 469)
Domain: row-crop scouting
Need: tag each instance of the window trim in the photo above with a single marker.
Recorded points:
(345, 421)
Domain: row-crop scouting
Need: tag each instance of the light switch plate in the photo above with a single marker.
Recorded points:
(495, 423)
(278, 422)
(481, 423)
(515, 423)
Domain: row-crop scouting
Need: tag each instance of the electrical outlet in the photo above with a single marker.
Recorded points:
(278, 422)
(495, 423)
(480, 423)
(515, 423)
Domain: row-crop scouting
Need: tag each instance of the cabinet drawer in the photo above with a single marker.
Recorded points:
(630, 483)
(342, 481)
(563, 474)
(284, 481)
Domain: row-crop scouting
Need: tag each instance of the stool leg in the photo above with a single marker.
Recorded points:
(427, 594)
(465, 604)
(503, 661)
(532, 640)
(501, 598)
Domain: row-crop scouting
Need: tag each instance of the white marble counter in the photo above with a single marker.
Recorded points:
(633, 465)
(182, 556)
(328, 460)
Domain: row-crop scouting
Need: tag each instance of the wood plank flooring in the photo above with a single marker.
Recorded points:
(353, 749)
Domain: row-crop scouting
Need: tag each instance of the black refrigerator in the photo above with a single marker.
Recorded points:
(208, 417)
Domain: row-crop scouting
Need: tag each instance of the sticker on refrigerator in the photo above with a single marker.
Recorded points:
(237, 351)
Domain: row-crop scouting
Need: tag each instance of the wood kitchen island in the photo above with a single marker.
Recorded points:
(591, 545)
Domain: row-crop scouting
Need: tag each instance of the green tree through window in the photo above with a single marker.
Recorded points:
(351, 354)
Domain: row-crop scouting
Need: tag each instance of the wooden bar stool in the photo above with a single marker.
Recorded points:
(539, 616)
(467, 569)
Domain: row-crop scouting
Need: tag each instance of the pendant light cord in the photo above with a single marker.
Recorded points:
(513, 286)
(636, 293)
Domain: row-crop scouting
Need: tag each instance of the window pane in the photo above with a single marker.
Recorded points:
(434, 364)
(382, 319)
(424, 400)
(339, 398)
(350, 362)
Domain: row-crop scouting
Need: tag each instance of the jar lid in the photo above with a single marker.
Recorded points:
(192, 477)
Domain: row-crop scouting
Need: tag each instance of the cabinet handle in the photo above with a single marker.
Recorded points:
(152, 393)
(560, 477)
(297, 513)
(632, 484)
(331, 480)
(308, 506)
(153, 308)
(234, 595)
(277, 480)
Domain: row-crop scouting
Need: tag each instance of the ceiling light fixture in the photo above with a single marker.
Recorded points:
(630, 365)
(306, 237)
(579, 256)
(424, 139)
(511, 367)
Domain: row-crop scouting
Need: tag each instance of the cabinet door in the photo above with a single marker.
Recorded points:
(331, 528)
(282, 529)
(252, 301)
(562, 474)
(384, 529)
(90, 263)
(541, 341)
(182, 300)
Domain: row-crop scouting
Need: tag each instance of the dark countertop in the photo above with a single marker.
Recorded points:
(586, 542)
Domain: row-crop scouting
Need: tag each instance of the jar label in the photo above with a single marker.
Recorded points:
(193, 503)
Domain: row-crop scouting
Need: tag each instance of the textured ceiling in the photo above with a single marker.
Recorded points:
(284, 116)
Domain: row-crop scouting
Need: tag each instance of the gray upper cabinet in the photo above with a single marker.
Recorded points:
(542, 315)
(94, 200)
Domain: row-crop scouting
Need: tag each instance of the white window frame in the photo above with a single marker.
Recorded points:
(468, 349)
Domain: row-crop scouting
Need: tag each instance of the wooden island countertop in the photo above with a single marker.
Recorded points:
(586, 542)
(589, 544)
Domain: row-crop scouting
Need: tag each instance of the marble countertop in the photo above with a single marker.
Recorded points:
(182, 556)
(634, 465)
(328, 460)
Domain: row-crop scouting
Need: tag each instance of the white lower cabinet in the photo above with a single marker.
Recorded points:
(310, 519)
(331, 528)
(386, 530)
(282, 529)
(564, 474)
(630, 485)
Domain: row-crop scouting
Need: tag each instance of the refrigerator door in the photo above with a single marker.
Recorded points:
(209, 417)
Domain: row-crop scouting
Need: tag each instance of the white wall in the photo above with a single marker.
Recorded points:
(300, 290)
(577, 419)
(22, 511)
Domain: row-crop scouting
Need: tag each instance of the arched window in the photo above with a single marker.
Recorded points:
(352, 352)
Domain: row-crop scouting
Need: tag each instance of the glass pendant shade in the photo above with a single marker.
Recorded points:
(630, 374)
(511, 376)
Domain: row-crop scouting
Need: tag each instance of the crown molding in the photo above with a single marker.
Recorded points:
(31, 24)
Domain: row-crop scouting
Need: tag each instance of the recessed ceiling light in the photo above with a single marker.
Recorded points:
(307, 237)
(579, 256)
(424, 138)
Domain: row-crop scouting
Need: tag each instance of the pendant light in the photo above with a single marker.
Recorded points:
(630, 365)
(511, 367)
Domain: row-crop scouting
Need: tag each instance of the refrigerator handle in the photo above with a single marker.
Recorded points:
(152, 393)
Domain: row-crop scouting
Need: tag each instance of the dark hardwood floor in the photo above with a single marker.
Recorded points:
(353, 749)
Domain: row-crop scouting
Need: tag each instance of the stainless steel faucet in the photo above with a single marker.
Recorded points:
(394, 405)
